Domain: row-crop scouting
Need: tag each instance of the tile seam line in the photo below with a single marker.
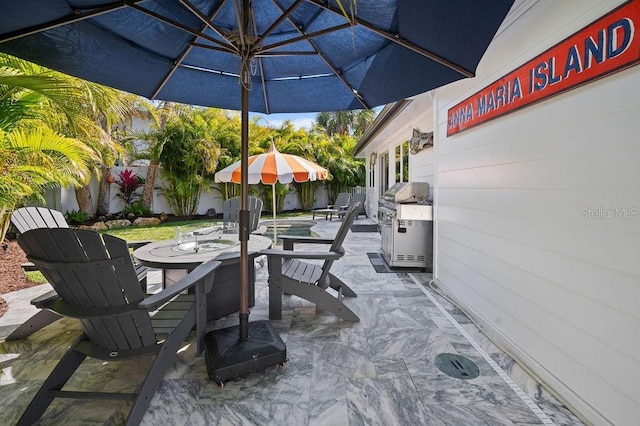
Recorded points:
(503, 375)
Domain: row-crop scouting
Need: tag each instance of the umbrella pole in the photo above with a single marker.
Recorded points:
(244, 214)
(258, 344)
(273, 207)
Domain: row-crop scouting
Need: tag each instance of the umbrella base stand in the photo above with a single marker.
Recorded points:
(229, 357)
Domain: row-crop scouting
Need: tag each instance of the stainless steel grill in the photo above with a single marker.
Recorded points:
(406, 225)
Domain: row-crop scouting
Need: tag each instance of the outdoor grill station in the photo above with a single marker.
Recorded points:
(406, 225)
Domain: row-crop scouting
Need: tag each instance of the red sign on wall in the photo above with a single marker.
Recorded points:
(606, 46)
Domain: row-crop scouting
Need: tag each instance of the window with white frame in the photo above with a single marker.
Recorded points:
(405, 162)
(384, 173)
(402, 162)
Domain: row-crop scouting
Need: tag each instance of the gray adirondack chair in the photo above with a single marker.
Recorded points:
(340, 206)
(25, 219)
(231, 207)
(97, 284)
(356, 197)
(290, 274)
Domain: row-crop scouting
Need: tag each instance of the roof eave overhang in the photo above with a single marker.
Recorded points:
(382, 120)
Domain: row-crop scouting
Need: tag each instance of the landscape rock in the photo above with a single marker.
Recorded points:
(98, 226)
(119, 223)
(146, 221)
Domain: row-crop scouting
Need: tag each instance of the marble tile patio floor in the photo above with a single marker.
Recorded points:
(379, 371)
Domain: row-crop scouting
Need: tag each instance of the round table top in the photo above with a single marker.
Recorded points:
(169, 255)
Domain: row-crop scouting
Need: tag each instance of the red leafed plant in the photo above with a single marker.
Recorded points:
(127, 183)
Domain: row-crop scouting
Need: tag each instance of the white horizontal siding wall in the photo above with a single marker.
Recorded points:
(422, 168)
(514, 238)
(419, 115)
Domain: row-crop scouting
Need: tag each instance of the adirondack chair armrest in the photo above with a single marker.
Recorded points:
(67, 309)
(208, 230)
(289, 254)
(137, 244)
(289, 240)
(44, 298)
(260, 230)
(152, 303)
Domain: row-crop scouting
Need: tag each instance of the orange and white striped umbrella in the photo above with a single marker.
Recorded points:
(274, 166)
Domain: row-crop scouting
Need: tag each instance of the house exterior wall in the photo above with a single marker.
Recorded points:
(537, 229)
(422, 168)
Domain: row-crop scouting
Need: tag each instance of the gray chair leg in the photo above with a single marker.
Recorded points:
(274, 264)
(165, 357)
(39, 320)
(339, 285)
(275, 300)
(321, 299)
(56, 380)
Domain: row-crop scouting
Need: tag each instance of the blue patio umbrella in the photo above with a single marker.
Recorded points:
(268, 56)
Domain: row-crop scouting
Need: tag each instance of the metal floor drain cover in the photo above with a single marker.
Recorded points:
(457, 366)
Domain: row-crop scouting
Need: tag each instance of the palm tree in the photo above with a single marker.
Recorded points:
(184, 144)
(363, 118)
(103, 108)
(34, 103)
(34, 96)
(345, 122)
(155, 145)
(335, 122)
(33, 159)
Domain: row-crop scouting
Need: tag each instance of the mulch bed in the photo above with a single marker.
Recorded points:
(12, 276)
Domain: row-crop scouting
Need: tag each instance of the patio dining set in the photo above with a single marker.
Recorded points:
(97, 281)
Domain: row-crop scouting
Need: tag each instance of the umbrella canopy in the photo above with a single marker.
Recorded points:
(288, 55)
(274, 166)
(271, 167)
(302, 56)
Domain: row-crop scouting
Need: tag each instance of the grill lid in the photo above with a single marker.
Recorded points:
(407, 192)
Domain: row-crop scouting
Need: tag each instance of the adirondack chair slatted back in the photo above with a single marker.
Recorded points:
(90, 271)
(350, 217)
(231, 207)
(359, 197)
(255, 210)
(27, 218)
(342, 200)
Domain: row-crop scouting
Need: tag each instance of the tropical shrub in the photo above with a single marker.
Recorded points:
(137, 208)
(76, 217)
(128, 182)
(189, 157)
(307, 194)
(281, 193)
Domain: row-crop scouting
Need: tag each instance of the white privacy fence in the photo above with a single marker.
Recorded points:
(65, 199)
